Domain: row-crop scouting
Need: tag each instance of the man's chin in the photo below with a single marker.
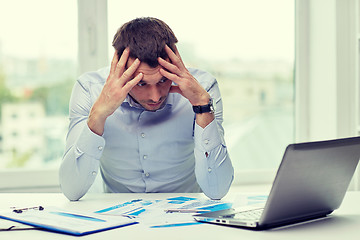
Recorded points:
(152, 106)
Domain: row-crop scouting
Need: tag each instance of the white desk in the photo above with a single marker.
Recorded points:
(344, 223)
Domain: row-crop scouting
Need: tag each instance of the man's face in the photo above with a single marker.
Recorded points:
(151, 92)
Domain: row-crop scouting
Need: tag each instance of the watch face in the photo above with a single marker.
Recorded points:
(212, 108)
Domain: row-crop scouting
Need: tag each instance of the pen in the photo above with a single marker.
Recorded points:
(186, 211)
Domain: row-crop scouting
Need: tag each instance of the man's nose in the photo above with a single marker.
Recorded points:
(154, 93)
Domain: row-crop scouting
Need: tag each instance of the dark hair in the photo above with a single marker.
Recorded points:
(146, 38)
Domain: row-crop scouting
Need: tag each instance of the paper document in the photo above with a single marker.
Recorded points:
(70, 222)
(171, 212)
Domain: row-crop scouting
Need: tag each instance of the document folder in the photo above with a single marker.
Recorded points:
(64, 221)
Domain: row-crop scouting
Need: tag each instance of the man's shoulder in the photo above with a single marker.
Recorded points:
(94, 77)
(206, 79)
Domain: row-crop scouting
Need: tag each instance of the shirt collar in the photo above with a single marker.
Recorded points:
(131, 103)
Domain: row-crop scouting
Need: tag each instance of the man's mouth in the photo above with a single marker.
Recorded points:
(155, 105)
(152, 104)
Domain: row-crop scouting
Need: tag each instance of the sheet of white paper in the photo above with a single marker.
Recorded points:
(154, 213)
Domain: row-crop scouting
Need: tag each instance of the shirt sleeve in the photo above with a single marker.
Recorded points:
(81, 160)
(213, 168)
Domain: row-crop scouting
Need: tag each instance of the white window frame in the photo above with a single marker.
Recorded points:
(92, 54)
(93, 35)
(326, 79)
(325, 56)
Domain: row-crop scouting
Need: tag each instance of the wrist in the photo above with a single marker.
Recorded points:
(96, 122)
(203, 100)
(206, 108)
(204, 119)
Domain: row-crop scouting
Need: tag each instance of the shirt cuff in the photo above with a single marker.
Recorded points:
(90, 143)
(208, 138)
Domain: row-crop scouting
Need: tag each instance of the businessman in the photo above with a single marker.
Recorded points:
(146, 123)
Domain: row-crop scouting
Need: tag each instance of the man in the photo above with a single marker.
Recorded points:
(147, 123)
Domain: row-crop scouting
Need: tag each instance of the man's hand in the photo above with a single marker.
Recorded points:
(187, 85)
(114, 92)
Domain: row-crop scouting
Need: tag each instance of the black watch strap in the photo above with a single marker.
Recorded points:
(204, 108)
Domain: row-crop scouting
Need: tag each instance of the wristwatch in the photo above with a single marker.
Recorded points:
(205, 108)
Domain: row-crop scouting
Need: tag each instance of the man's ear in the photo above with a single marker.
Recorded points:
(175, 89)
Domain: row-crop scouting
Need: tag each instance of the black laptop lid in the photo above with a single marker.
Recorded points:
(311, 180)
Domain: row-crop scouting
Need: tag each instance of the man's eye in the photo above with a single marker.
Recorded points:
(163, 80)
(141, 84)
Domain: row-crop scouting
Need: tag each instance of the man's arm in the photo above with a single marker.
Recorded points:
(213, 169)
(116, 88)
(83, 150)
(84, 143)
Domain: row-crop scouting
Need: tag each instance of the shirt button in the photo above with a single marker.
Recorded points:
(100, 148)
(142, 135)
(147, 174)
(145, 157)
(206, 141)
(93, 173)
(209, 170)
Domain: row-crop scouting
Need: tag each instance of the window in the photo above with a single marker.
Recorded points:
(38, 55)
(247, 44)
(249, 47)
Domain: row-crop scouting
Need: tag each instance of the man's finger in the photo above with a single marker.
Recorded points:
(130, 71)
(130, 84)
(174, 58)
(177, 53)
(173, 77)
(120, 66)
(169, 66)
(114, 62)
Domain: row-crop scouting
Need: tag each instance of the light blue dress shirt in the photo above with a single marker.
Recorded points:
(145, 151)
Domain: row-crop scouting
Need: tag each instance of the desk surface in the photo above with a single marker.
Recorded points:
(343, 223)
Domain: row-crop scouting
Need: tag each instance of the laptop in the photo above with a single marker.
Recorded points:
(310, 183)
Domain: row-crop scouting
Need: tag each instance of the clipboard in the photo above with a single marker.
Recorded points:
(64, 221)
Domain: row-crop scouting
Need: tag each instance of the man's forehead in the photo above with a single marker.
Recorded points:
(147, 70)
(150, 74)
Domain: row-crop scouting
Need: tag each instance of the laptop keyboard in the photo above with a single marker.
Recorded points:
(253, 214)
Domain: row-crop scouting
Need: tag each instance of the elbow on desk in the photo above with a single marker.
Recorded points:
(216, 195)
(74, 182)
(218, 192)
(71, 194)
(70, 188)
